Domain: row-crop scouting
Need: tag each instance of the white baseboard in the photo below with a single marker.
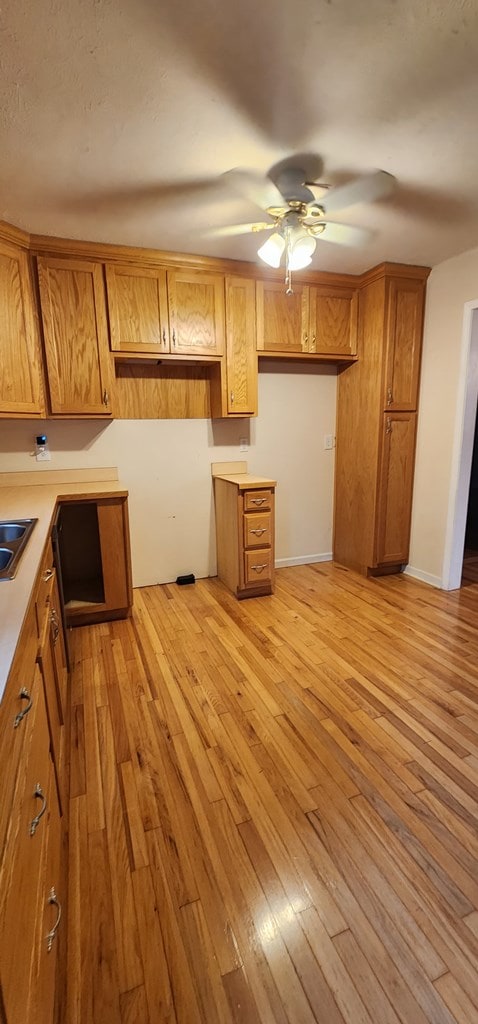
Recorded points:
(425, 577)
(281, 563)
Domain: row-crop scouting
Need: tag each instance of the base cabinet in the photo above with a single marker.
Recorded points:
(245, 533)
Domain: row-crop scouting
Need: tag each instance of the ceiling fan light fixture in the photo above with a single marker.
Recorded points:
(301, 252)
(271, 251)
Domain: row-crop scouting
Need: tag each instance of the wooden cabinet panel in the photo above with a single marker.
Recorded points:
(258, 567)
(50, 930)
(138, 308)
(333, 320)
(76, 336)
(57, 641)
(196, 312)
(46, 662)
(257, 499)
(21, 391)
(395, 488)
(282, 320)
(404, 338)
(241, 357)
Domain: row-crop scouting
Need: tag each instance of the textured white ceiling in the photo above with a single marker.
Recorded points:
(117, 117)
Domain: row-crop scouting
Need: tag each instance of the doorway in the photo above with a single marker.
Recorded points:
(465, 431)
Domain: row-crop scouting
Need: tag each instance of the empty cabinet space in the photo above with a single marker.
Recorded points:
(93, 539)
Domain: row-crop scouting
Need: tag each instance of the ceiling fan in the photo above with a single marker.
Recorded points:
(297, 217)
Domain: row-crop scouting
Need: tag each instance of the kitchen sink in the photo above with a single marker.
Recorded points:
(14, 535)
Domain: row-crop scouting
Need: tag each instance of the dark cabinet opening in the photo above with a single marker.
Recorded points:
(80, 555)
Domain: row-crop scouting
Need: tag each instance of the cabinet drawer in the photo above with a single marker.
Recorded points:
(258, 566)
(257, 530)
(254, 500)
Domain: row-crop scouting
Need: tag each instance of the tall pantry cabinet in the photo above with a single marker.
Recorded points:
(376, 423)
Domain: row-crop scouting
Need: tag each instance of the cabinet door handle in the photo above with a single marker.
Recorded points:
(47, 575)
(106, 397)
(54, 901)
(312, 343)
(258, 532)
(174, 336)
(389, 425)
(259, 568)
(23, 695)
(38, 794)
(232, 398)
(164, 336)
(389, 396)
(306, 340)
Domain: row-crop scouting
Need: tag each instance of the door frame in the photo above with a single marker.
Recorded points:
(464, 433)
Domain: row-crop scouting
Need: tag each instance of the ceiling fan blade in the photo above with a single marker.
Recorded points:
(342, 234)
(253, 186)
(361, 190)
(241, 229)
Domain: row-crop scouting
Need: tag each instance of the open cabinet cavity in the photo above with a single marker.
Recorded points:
(93, 548)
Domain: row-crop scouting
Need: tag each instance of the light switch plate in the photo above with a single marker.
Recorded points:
(329, 442)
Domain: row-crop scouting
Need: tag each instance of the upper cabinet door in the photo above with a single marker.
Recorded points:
(76, 336)
(138, 309)
(404, 340)
(196, 313)
(21, 392)
(241, 355)
(282, 320)
(333, 320)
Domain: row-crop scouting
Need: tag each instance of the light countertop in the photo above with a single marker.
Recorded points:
(35, 501)
(246, 481)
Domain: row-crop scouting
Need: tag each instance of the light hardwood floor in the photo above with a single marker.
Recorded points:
(274, 806)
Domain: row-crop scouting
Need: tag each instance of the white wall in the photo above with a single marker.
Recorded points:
(165, 464)
(450, 285)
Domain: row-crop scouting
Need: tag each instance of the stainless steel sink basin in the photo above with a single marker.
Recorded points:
(14, 535)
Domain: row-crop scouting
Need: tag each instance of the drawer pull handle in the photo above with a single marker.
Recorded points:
(258, 501)
(38, 794)
(47, 575)
(54, 901)
(259, 568)
(258, 532)
(55, 626)
(23, 695)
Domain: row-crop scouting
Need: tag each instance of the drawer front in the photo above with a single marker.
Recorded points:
(50, 925)
(255, 500)
(257, 530)
(258, 567)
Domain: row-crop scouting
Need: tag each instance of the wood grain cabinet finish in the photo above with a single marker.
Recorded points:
(376, 425)
(75, 332)
(234, 380)
(245, 534)
(21, 390)
(315, 320)
(161, 311)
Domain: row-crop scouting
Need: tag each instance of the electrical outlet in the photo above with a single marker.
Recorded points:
(243, 444)
(43, 455)
(329, 442)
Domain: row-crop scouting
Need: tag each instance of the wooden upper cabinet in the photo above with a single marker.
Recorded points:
(196, 312)
(318, 320)
(21, 392)
(333, 320)
(403, 343)
(241, 356)
(282, 320)
(138, 308)
(395, 488)
(75, 332)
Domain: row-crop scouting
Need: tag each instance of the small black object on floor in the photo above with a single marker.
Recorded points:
(182, 581)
